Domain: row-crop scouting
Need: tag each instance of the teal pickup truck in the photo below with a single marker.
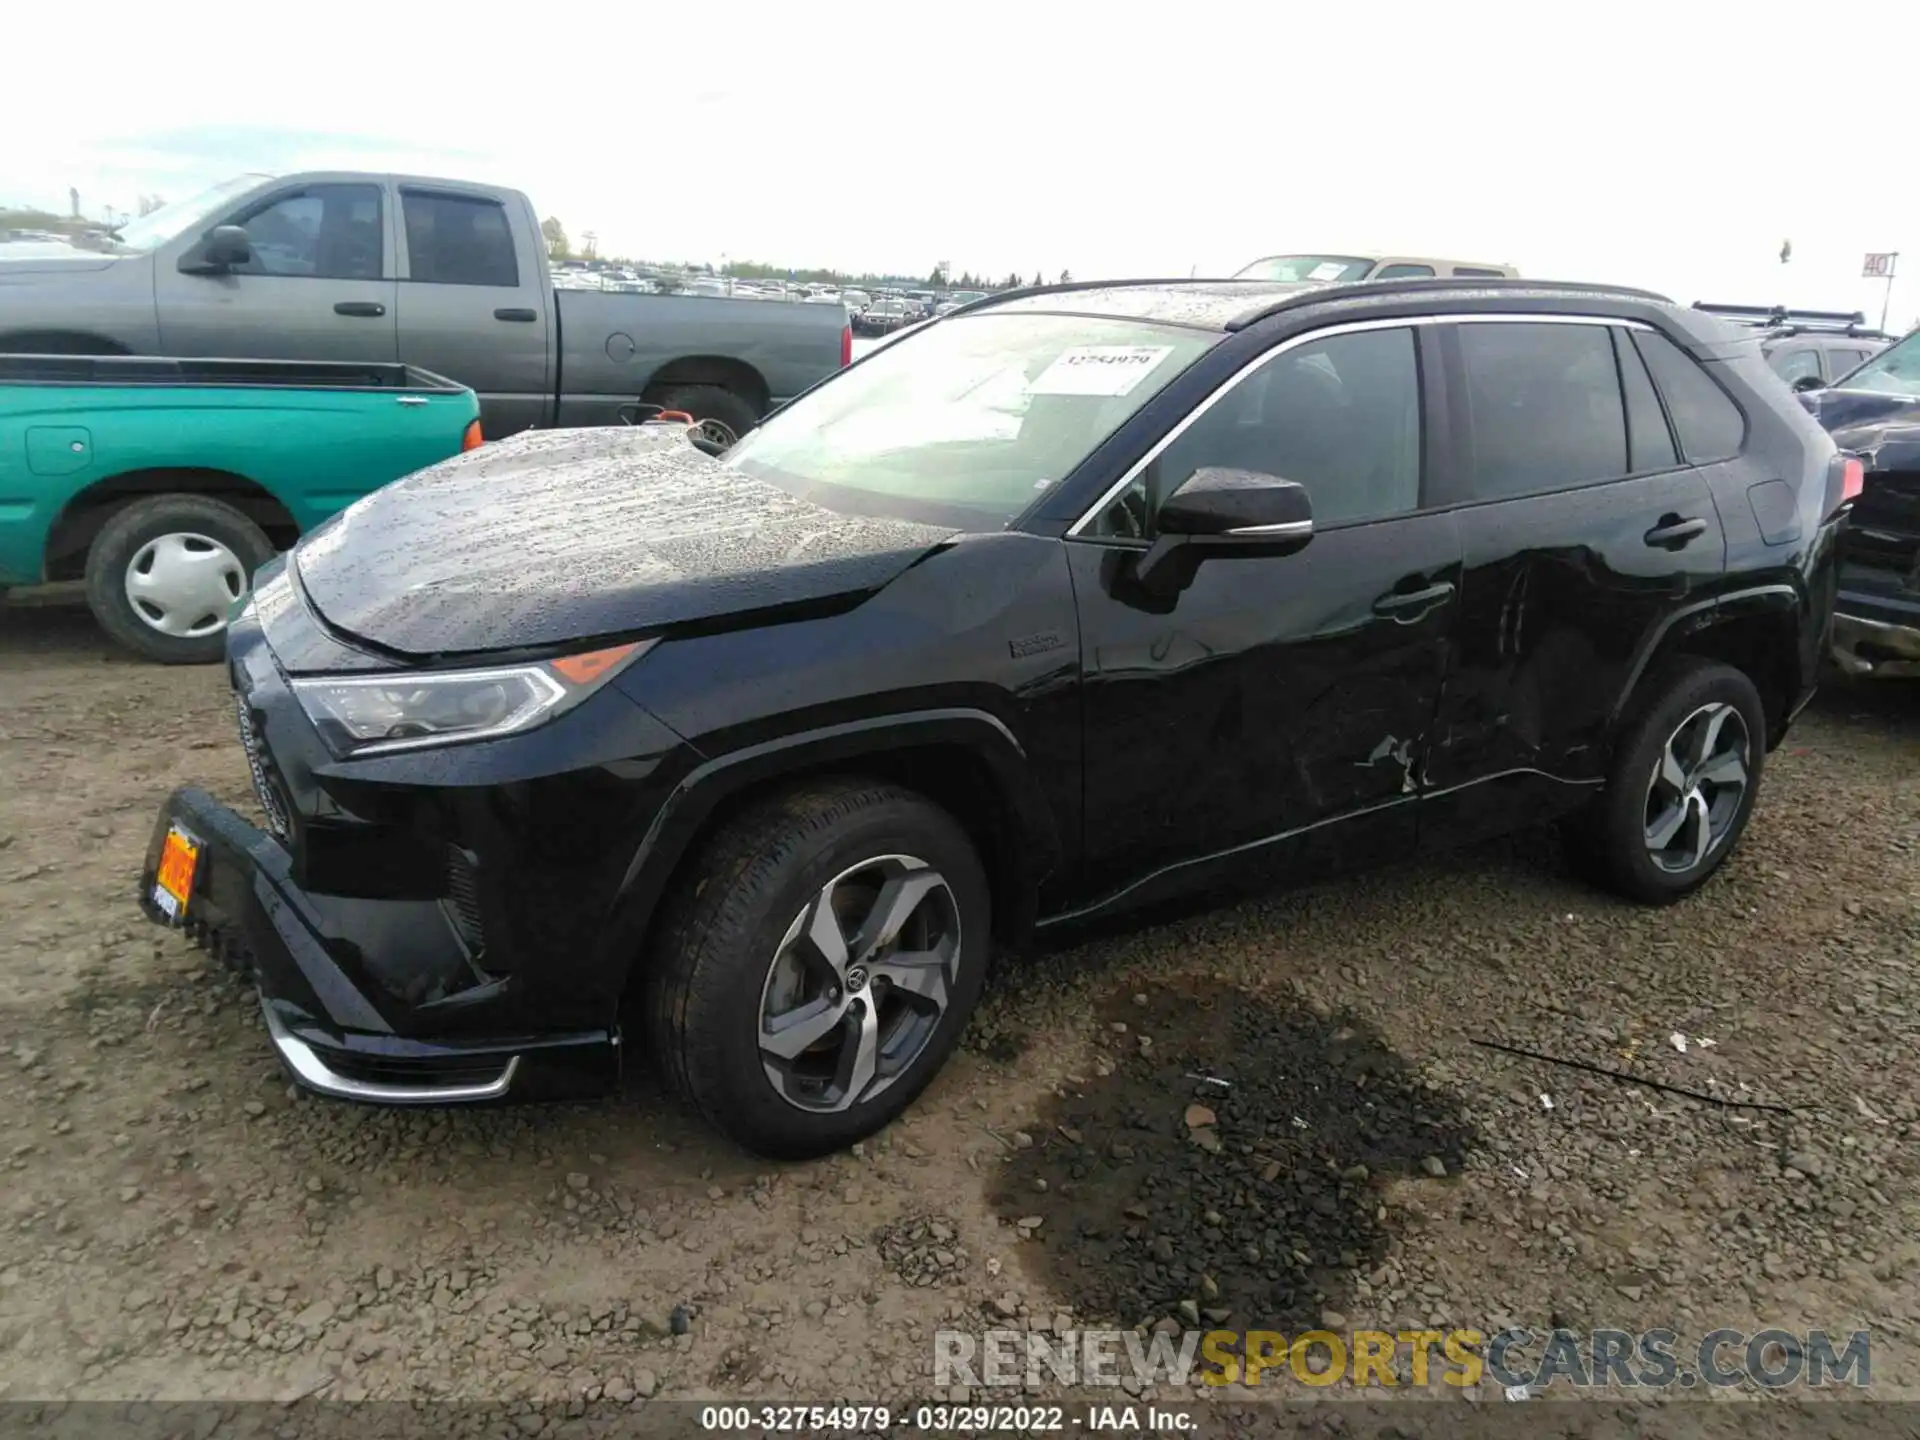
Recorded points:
(164, 484)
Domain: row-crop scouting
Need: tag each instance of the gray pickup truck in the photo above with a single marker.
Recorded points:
(439, 274)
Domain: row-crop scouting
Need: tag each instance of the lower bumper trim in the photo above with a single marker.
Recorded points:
(1876, 648)
(317, 1075)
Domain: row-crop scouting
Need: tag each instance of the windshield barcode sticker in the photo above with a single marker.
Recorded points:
(1328, 270)
(1099, 369)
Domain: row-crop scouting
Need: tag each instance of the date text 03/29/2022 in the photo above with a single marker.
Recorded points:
(947, 1419)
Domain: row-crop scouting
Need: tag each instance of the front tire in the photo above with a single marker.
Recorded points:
(163, 575)
(816, 967)
(1682, 786)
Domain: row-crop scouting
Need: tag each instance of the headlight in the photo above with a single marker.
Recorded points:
(411, 710)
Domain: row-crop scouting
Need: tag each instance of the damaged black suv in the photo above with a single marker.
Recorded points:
(1072, 600)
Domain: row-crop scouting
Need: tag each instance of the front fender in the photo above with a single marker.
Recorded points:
(713, 782)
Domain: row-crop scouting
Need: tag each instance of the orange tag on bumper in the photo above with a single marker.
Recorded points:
(173, 884)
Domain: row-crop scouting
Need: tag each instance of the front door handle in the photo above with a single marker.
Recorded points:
(514, 312)
(1396, 601)
(1673, 531)
(361, 309)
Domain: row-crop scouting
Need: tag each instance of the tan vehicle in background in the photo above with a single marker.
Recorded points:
(1344, 269)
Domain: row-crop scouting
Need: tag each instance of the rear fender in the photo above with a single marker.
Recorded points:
(1763, 630)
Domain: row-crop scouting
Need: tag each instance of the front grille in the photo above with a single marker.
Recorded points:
(463, 900)
(263, 785)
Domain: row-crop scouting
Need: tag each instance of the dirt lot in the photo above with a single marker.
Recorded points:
(180, 1224)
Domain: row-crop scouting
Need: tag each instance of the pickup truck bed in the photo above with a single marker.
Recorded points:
(164, 483)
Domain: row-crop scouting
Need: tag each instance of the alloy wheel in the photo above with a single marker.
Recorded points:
(1698, 786)
(184, 585)
(859, 984)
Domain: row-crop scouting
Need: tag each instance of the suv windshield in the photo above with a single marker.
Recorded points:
(1894, 371)
(1295, 269)
(151, 231)
(975, 418)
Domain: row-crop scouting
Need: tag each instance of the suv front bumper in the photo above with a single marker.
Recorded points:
(335, 1030)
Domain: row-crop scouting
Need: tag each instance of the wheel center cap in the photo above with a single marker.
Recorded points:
(856, 978)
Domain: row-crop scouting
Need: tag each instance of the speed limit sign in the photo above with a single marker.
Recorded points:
(1878, 267)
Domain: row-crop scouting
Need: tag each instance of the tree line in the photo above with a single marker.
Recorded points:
(560, 247)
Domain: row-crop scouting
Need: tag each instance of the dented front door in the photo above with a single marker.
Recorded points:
(1273, 716)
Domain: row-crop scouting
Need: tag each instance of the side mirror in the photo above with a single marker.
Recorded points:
(1218, 512)
(1809, 382)
(225, 246)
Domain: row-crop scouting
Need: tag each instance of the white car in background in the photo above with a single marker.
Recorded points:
(1345, 269)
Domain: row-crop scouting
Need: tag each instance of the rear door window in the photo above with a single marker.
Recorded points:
(1545, 404)
(458, 240)
(1402, 272)
(1649, 441)
(1479, 270)
(1708, 423)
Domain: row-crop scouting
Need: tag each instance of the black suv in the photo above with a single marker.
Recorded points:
(1875, 413)
(1807, 348)
(1075, 599)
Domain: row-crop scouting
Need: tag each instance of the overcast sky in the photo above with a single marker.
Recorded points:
(1666, 145)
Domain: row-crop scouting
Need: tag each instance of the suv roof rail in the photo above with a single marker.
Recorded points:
(1316, 294)
(1415, 285)
(1791, 322)
(1023, 291)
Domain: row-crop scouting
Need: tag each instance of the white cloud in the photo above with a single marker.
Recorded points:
(1643, 143)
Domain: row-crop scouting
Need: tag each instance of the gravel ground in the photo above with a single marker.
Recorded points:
(1273, 1115)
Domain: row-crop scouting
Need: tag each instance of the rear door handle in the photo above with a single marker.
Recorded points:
(1672, 532)
(512, 312)
(1396, 601)
(361, 309)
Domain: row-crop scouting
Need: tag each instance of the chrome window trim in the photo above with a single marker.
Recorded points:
(1077, 530)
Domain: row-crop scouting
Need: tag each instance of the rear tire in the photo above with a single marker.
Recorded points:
(750, 1014)
(709, 402)
(1681, 788)
(163, 573)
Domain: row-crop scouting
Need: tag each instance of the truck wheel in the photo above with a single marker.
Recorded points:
(163, 575)
(1681, 788)
(817, 967)
(709, 402)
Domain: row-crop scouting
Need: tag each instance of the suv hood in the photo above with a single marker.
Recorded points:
(557, 536)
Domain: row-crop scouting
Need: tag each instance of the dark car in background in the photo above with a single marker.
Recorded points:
(1874, 412)
(1807, 348)
(884, 316)
(1083, 598)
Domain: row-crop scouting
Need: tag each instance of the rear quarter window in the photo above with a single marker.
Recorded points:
(1709, 425)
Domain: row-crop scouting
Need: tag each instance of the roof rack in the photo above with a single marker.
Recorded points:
(1415, 285)
(1792, 322)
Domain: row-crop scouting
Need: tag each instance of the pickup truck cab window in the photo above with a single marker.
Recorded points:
(458, 240)
(977, 415)
(323, 232)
